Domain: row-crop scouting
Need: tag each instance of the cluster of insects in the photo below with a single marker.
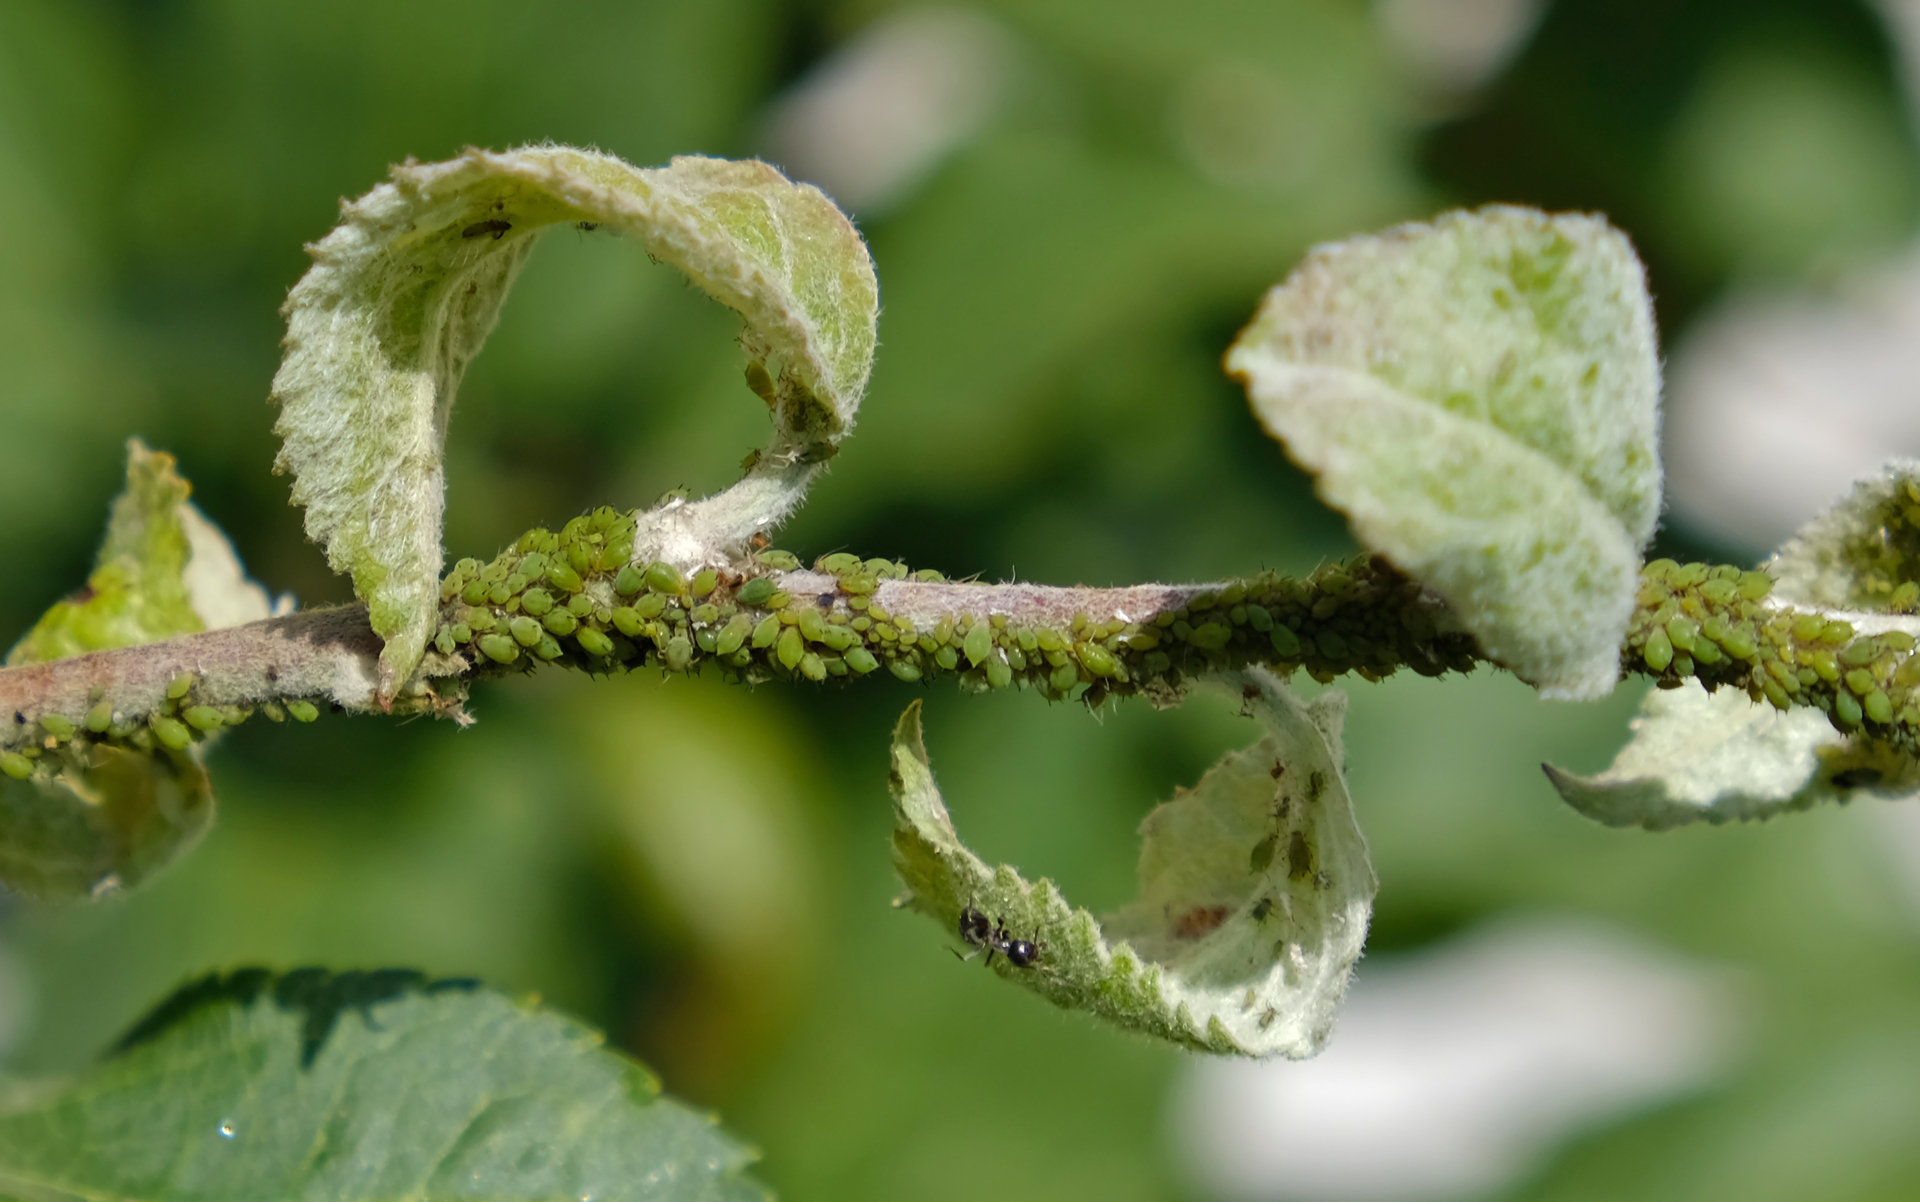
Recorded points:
(991, 935)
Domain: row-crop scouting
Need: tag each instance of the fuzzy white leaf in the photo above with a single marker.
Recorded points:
(404, 292)
(1255, 891)
(1718, 757)
(1480, 397)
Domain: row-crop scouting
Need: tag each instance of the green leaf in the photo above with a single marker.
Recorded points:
(1863, 553)
(354, 1086)
(1480, 397)
(92, 818)
(1718, 757)
(1255, 891)
(404, 292)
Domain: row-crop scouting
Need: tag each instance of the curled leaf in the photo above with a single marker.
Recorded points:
(1718, 757)
(1863, 553)
(1480, 397)
(1255, 891)
(88, 818)
(404, 292)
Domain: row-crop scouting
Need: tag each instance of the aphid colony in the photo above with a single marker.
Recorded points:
(572, 597)
(55, 741)
(1712, 624)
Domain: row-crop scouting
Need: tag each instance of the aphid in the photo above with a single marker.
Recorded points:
(493, 226)
(586, 227)
(1262, 909)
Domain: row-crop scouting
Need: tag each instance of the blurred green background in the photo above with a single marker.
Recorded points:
(703, 871)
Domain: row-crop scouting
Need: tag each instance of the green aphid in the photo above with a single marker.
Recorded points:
(789, 647)
(1026, 638)
(943, 630)
(100, 717)
(1898, 640)
(536, 601)
(650, 606)
(1261, 858)
(1049, 640)
(733, 635)
(999, 673)
(859, 583)
(904, 670)
(524, 630)
(780, 561)
(612, 555)
(812, 624)
(1740, 643)
(704, 581)
(779, 599)
(499, 593)
(173, 735)
(1201, 600)
(443, 640)
(1680, 632)
(760, 383)
(580, 605)
(1719, 592)
(1807, 627)
(1332, 646)
(978, 644)
(1658, 651)
(1846, 711)
(755, 592)
(516, 582)
(1682, 664)
(18, 766)
(1286, 644)
(303, 711)
(1836, 633)
(1706, 652)
(1860, 681)
(561, 622)
(839, 638)
(1752, 586)
(496, 647)
(1017, 659)
(1233, 594)
(679, 653)
(204, 717)
(57, 726)
(947, 658)
(1877, 707)
(1776, 695)
(929, 576)
(594, 642)
(627, 621)
(859, 603)
(1860, 652)
(1064, 677)
(837, 563)
(1260, 618)
(813, 667)
(1096, 659)
(766, 631)
(1905, 599)
(563, 577)
(141, 738)
(860, 660)
(1823, 664)
(707, 640)
(476, 593)
(179, 686)
(1212, 636)
(580, 556)
(629, 581)
(706, 615)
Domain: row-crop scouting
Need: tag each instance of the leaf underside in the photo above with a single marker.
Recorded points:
(1480, 397)
(405, 291)
(360, 1086)
(1255, 892)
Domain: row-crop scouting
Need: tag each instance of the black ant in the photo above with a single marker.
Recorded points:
(981, 933)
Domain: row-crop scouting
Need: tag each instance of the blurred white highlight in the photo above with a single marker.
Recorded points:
(1454, 1072)
(872, 122)
(1456, 45)
(1779, 404)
